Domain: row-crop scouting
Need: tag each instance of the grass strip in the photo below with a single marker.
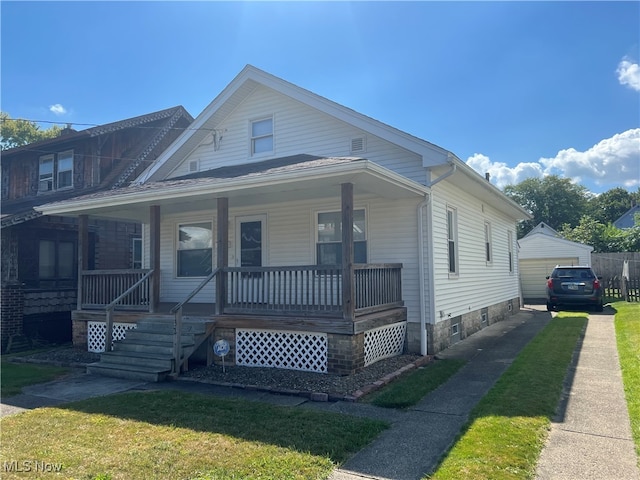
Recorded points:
(15, 376)
(507, 429)
(627, 324)
(169, 434)
(412, 387)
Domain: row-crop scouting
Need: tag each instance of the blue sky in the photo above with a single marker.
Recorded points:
(518, 89)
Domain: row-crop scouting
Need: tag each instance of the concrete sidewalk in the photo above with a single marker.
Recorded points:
(590, 437)
(419, 436)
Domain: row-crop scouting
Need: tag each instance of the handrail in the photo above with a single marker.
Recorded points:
(195, 291)
(177, 324)
(109, 309)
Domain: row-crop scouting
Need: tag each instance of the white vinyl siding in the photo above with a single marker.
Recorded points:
(475, 285)
(300, 129)
(391, 238)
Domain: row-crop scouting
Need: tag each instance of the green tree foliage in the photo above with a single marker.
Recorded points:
(603, 238)
(553, 200)
(610, 205)
(16, 132)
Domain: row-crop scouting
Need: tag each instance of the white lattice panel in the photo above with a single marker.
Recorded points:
(384, 342)
(96, 334)
(280, 349)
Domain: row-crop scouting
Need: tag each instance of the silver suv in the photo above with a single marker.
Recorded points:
(574, 285)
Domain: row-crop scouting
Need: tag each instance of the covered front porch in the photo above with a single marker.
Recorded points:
(354, 311)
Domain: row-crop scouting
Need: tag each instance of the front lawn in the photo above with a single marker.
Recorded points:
(627, 325)
(168, 434)
(507, 429)
(15, 376)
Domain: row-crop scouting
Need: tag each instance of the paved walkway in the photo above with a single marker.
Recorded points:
(590, 438)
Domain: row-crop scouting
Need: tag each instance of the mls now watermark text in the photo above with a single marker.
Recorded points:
(26, 466)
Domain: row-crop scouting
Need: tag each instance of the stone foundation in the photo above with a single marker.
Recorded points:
(443, 334)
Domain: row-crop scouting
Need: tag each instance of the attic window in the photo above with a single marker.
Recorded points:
(194, 166)
(262, 136)
(358, 145)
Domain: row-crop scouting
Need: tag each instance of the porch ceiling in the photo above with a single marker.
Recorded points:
(316, 180)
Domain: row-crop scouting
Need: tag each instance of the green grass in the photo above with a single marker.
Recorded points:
(168, 434)
(627, 325)
(412, 387)
(15, 376)
(507, 429)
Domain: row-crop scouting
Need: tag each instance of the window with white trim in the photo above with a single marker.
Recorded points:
(136, 252)
(510, 249)
(452, 240)
(329, 237)
(488, 248)
(195, 250)
(262, 136)
(55, 171)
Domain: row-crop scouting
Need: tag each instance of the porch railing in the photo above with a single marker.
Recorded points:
(310, 289)
(117, 301)
(177, 323)
(100, 287)
(377, 286)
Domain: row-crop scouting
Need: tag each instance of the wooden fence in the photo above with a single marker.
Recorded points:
(609, 265)
(620, 289)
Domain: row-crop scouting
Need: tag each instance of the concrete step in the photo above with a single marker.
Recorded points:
(167, 326)
(164, 362)
(162, 349)
(130, 372)
(142, 336)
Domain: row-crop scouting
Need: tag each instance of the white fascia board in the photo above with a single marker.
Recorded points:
(198, 189)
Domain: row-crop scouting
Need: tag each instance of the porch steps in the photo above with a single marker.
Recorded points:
(146, 353)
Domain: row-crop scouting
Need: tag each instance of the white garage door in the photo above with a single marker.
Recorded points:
(533, 273)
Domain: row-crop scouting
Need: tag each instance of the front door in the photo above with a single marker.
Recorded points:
(250, 252)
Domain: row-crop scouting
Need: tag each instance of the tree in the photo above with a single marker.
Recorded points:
(16, 133)
(553, 200)
(610, 205)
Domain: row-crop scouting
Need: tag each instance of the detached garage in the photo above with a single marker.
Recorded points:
(542, 249)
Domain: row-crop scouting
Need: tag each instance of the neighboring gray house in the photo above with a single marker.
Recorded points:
(542, 249)
(323, 239)
(628, 220)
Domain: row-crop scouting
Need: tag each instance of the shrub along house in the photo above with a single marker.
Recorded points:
(307, 235)
(39, 268)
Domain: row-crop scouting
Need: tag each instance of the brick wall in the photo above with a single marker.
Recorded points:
(11, 311)
(345, 353)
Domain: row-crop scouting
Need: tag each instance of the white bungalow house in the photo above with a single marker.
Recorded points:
(305, 234)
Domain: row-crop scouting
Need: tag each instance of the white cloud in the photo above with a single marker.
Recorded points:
(57, 109)
(612, 162)
(629, 74)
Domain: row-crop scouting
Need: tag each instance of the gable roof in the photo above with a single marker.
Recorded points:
(244, 84)
(628, 219)
(544, 229)
(22, 209)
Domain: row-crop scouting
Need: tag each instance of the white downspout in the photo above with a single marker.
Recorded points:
(421, 269)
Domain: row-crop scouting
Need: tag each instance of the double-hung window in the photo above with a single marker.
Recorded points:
(262, 136)
(510, 248)
(55, 171)
(56, 263)
(195, 249)
(329, 238)
(452, 240)
(488, 253)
